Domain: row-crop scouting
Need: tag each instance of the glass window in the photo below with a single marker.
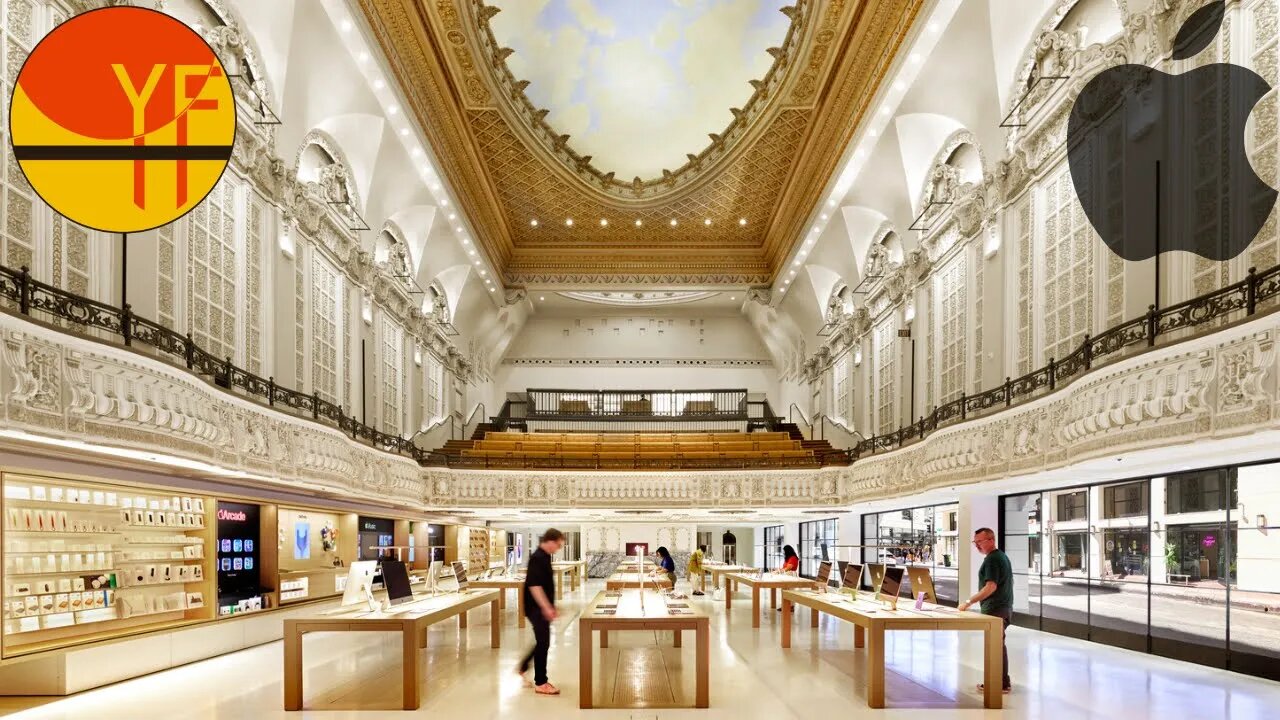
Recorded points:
(917, 537)
(817, 543)
(773, 542)
(1204, 491)
(1121, 501)
(1073, 506)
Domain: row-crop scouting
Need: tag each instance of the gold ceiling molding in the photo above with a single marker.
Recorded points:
(737, 206)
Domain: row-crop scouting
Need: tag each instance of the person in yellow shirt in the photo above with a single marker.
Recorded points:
(696, 578)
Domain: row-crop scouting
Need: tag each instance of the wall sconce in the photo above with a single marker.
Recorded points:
(1155, 526)
(287, 246)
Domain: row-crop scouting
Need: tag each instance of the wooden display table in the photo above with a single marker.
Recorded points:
(411, 620)
(631, 581)
(576, 569)
(629, 615)
(773, 582)
(871, 619)
(502, 585)
(718, 571)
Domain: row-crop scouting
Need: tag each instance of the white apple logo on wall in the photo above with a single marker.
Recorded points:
(1159, 161)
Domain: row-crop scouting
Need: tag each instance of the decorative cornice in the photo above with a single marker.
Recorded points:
(638, 362)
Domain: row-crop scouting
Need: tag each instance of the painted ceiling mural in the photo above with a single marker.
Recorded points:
(629, 143)
(638, 85)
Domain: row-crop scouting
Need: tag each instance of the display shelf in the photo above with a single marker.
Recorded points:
(147, 543)
(163, 583)
(57, 573)
(70, 507)
(60, 533)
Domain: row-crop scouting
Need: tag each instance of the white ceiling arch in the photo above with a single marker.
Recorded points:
(823, 280)
(863, 225)
(415, 224)
(920, 136)
(358, 136)
(452, 280)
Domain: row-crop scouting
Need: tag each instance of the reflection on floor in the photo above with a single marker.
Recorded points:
(932, 675)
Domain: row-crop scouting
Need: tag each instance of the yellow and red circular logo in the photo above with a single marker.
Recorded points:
(122, 119)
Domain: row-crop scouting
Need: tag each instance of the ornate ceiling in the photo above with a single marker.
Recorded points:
(726, 216)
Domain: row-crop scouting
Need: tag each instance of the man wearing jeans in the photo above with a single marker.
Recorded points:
(540, 609)
(995, 581)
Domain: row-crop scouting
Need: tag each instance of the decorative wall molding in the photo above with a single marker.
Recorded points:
(638, 362)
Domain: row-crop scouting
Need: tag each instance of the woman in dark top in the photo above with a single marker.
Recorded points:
(667, 564)
(790, 561)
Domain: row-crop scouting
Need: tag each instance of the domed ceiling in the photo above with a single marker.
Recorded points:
(620, 142)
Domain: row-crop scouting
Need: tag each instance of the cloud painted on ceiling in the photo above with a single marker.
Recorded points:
(638, 84)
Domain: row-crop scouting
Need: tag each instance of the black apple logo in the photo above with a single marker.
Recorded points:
(1159, 161)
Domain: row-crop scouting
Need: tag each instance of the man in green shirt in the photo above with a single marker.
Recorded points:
(995, 589)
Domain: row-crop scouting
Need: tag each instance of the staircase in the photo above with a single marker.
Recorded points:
(822, 449)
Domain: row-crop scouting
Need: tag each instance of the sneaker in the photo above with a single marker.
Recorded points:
(524, 680)
(983, 688)
(547, 689)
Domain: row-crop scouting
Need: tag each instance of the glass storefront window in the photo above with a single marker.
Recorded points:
(1073, 506)
(773, 543)
(917, 537)
(817, 544)
(1122, 501)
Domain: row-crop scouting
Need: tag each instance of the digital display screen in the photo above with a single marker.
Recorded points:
(238, 541)
(824, 575)
(892, 582)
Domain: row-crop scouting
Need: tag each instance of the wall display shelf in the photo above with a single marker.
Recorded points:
(87, 561)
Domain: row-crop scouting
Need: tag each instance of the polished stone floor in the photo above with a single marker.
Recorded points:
(931, 675)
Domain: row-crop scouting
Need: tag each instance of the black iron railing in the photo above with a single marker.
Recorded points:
(35, 298)
(1237, 300)
(629, 405)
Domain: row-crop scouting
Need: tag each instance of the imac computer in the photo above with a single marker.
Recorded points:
(875, 574)
(460, 574)
(891, 586)
(852, 579)
(824, 576)
(359, 586)
(395, 578)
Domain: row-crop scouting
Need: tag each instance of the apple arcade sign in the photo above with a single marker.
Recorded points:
(1160, 161)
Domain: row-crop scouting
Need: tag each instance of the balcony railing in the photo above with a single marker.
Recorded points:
(42, 301)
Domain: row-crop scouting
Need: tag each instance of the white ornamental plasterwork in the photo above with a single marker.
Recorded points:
(1210, 388)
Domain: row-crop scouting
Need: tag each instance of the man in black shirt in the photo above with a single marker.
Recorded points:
(540, 608)
(995, 592)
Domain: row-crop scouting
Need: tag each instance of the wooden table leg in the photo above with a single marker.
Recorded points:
(604, 638)
(702, 693)
(502, 599)
(875, 667)
(520, 607)
(495, 623)
(786, 622)
(410, 650)
(993, 666)
(859, 636)
(813, 617)
(728, 594)
(755, 606)
(773, 597)
(292, 668)
(462, 620)
(678, 638)
(584, 665)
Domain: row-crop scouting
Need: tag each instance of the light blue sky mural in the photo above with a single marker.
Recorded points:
(639, 83)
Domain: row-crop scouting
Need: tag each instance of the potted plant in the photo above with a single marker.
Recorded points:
(946, 560)
(1170, 557)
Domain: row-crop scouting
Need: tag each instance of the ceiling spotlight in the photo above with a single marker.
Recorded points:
(933, 27)
(534, 223)
(483, 272)
(673, 222)
(435, 187)
(364, 56)
(378, 84)
(793, 272)
(815, 229)
(568, 222)
(458, 229)
(452, 216)
(540, 298)
(346, 26)
(471, 252)
(416, 151)
(796, 262)
(824, 217)
(604, 222)
(884, 111)
(707, 221)
(466, 241)
(898, 85)
(915, 57)
(639, 222)
(444, 202)
(490, 288)
(731, 297)
(742, 221)
(831, 202)
(393, 110)
(404, 132)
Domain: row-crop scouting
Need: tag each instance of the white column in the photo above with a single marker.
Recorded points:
(976, 511)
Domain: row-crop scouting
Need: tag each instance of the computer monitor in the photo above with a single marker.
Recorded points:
(359, 582)
(433, 575)
(875, 573)
(824, 576)
(892, 584)
(460, 574)
(395, 578)
(852, 579)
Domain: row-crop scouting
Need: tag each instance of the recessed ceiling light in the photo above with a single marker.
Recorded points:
(639, 222)
(453, 216)
(604, 222)
(731, 297)
(483, 272)
(884, 111)
(933, 27)
(796, 261)
(815, 229)
(824, 217)
(435, 187)
(444, 202)
(742, 221)
(673, 222)
(416, 151)
(490, 288)
(466, 241)
(568, 222)
(404, 132)
(458, 229)
(364, 56)
(871, 133)
(540, 298)
(471, 252)
(346, 26)
(899, 85)
(707, 221)
(831, 202)
(393, 110)
(378, 84)
(915, 57)
(793, 272)
(533, 223)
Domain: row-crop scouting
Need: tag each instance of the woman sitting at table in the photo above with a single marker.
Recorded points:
(666, 565)
(790, 561)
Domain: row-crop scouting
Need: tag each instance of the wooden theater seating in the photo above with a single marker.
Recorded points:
(639, 450)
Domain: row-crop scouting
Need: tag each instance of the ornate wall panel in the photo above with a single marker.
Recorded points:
(212, 250)
(952, 313)
(1067, 304)
(256, 213)
(328, 311)
(885, 342)
(391, 352)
